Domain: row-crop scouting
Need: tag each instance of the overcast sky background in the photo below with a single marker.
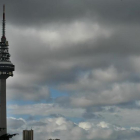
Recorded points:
(77, 68)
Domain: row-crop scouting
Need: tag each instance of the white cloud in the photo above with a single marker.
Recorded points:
(62, 128)
(103, 125)
(85, 125)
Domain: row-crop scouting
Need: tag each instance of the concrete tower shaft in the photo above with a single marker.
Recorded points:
(3, 118)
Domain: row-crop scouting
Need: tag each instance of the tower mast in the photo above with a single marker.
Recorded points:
(3, 25)
(6, 70)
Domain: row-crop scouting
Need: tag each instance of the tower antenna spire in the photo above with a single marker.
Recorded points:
(3, 39)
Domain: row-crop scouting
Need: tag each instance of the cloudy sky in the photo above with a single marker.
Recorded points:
(77, 68)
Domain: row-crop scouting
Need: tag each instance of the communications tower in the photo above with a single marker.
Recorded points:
(6, 70)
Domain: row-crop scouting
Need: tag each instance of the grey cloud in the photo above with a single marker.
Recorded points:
(61, 65)
(29, 12)
(25, 92)
(63, 101)
(15, 123)
(90, 50)
(47, 51)
(38, 124)
(44, 110)
(30, 118)
(41, 64)
(90, 115)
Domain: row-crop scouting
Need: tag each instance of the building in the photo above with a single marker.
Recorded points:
(28, 134)
(6, 70)
(53, 139)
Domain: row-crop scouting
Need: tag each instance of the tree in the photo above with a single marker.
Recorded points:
(7, 136)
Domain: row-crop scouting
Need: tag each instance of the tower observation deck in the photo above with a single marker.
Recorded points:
(6, 70)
